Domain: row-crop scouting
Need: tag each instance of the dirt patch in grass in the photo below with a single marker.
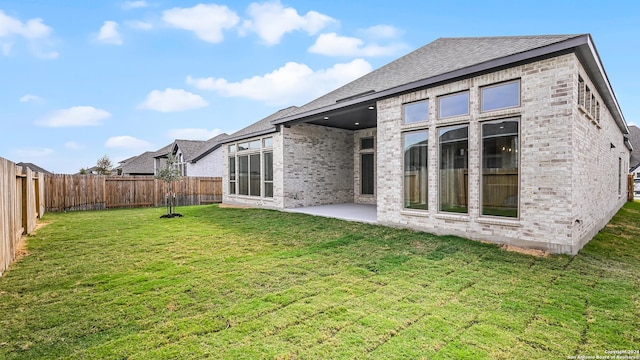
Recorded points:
(21, 248)
(232, 206)
(532, 252)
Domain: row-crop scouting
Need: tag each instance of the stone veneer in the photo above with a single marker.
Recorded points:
(568, 169)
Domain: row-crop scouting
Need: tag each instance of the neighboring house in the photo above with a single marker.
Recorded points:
(137, 165)
(34, 167)
(194, 157)
(515, 140)
(94, 171)
(634, 163)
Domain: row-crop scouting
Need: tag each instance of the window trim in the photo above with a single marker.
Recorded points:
(439, 98)
(502, 83)
(373, 168)
(438, 178)
(519, 133)
(249, 151)
(403, 205)
(404, 105)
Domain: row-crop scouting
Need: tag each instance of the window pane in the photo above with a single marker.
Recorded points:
(454, 146)
(232, 148)
(254, 175)
(366, 143)
(254, 144)
(500, 168)
(501, 96)
(415, 170)
(268, 189)
(243, 175)
(416, 112)
(454, 105)
(268, 142)
(366, 174)
(268, 166)
(232, 187)
(232, 168)
(243, 146)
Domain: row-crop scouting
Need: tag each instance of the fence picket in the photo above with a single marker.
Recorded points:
(96, 192)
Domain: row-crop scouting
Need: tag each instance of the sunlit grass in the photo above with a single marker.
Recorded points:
(246, 283)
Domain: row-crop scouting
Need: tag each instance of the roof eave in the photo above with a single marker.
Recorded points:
(593, 65)
(578, 42)
(250, 135)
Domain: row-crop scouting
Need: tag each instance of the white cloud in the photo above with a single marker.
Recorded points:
(127, 142)
(72, 145)
(193, 134)
(290, 84)
(171, 100)
(28, 98)
(33, 30)
(128, 5)
(381, 32)
(270, 20)
(32, 152)
(206, 21)
(109, 33)
(332, 44)
(76, 116)
(139, 25)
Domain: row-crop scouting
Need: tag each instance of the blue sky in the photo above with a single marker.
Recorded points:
(80, 79)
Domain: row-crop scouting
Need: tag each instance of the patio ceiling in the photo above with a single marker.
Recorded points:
(356, 117)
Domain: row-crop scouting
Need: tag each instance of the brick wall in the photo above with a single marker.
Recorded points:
(556, 188)
(318, 165)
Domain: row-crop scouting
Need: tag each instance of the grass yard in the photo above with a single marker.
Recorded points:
(247, 283)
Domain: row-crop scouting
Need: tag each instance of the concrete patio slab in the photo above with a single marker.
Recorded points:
(352, 212)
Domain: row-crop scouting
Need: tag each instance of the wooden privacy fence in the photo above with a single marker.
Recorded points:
(21, 203)
(96, 192)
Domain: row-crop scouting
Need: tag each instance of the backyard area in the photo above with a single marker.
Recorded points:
(248, 283)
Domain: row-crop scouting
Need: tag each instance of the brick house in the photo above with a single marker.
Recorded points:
(514, 140)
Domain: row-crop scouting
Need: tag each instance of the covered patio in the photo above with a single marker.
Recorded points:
(365, 213)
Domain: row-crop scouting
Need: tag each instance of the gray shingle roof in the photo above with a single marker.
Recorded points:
(439, 57)
(189, 148)
(210, 146)
(34, 167)
(140, 165)
(260, 126)
(634, 139)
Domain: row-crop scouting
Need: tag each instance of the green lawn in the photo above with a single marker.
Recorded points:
(245, 283)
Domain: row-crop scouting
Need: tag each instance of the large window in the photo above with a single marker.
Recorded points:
(243, 175)
(453, 185)
(415, 112)
(268, 174)
(453, 105)
(254, 177)
(500, 96)
(500, 164)
(415, 170)
(251, 168)
(367, 166)
(232, 175)
(367, 172)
